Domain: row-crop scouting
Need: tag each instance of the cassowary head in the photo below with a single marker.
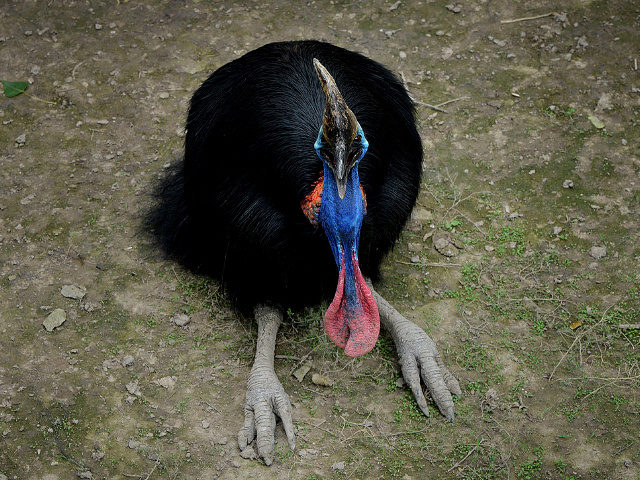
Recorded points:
(338, 204)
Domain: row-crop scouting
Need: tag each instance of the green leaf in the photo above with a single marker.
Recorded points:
(13, 89)
(596, 122)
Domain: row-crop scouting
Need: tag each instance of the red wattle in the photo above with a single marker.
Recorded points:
(353, 327)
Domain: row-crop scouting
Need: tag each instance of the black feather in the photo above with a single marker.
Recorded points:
(231, 208)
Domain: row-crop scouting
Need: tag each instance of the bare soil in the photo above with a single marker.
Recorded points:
(540, 328)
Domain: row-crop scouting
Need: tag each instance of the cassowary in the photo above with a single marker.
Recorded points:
(302, 163)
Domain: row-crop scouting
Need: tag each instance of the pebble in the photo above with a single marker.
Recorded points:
(21, 139)
(338, 466)
(163, 95)
(598, 252)
(623, 141)
(127, 360)
(54, 319)
(181, 319)
(205, 424)
(321, 380)
(73, 291)
(133, 388)
(567, 184)
(166, 382)
(455, 8)
(557, 230)
(402, 54)
(98, 26)
(85, 474)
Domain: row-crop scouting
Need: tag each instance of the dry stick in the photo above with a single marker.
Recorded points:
(467, 455)
(628, 326)
(451, 101)
(414, 100)
(527, 18)
(578, 338)
(302, 360)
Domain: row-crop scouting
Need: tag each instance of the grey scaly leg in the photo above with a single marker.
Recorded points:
(418, 356)
(265, 396)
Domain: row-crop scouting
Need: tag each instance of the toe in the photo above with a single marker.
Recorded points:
(436, 385)
(265, 428)
(283, 409)
(412, 377)
(248, 432)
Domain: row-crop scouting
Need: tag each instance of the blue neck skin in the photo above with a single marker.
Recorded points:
(341, 220)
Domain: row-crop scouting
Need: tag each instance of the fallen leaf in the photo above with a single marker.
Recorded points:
(596, 122)
(576, 324)
(13, 89)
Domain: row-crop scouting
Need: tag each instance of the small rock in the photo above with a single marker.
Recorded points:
(402, 54)
(598, 252)
(400, 382)
(73, 291)
(302, 371)
(223, 441)
(55, 319)
(489, 248)
(21, 139)
(97, 456)
(415, 259)
(249, 453)
(443, 245)
(127, 360)
(134, 444)
(557, 230)
(308, 453)
(414, 247)
(166, 382)
(133, 388)
(338, 466)
(98, 26)
(205, 424)
(163, 95)
(567, 184)
(395, 6)
(3, 477)
(455, 8)
(85, 474)
(623, 141)
(181, 320)
(490, 400)
(321, 380)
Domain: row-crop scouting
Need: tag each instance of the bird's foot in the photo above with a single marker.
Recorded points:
(419, 357)
(265, 396)
(265, 399)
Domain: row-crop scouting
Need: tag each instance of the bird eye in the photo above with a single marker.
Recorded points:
(358, 138)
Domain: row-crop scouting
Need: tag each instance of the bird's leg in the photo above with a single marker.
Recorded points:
(419, 357)
(265, 396)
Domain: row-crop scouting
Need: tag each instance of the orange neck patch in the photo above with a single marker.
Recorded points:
(311, 203)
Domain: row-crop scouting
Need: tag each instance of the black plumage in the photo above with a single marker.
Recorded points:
(231, 208)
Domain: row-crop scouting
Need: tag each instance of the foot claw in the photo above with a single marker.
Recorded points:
(265, 398)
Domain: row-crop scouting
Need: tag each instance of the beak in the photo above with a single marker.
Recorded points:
(341, 172)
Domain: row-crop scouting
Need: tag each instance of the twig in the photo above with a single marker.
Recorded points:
(153, 469)
(288, 357)
(451, 101)
(578, 338)
(527, 18)
(302, 360)
(628, 326)
(414, 100)
(467, 455)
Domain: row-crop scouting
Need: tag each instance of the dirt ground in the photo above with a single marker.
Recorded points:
(531, 194)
